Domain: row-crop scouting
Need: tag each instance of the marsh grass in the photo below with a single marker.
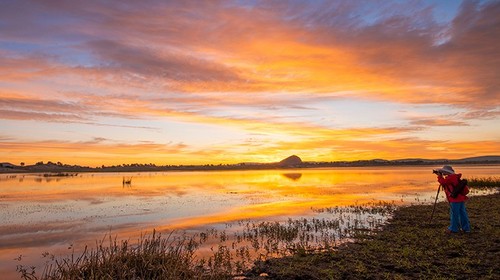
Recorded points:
(484, 182)
(152, 257)
(213, 254)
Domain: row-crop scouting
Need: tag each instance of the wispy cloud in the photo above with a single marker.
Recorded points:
(483, 114)
(147, 62)
(266, 67)
(437, 122)
(99, 145)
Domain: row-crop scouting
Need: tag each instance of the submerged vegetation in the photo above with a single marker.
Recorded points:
(60, 174)
(305, 248)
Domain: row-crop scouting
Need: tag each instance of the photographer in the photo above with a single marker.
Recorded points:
(449, 180)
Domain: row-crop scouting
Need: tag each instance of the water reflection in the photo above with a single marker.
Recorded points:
(45, 213)
(292, 176)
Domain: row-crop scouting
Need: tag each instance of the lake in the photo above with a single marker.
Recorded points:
(62, 214)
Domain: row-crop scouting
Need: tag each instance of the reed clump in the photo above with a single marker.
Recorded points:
(484, 182)
(153, 257)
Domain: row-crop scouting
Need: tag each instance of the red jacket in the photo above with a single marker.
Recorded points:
(449, 183)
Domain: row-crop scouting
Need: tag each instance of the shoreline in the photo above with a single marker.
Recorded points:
(62, 170)
(405, 248)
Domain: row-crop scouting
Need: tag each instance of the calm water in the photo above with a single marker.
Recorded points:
(58, 214)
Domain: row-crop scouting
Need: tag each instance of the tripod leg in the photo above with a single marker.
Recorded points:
(435, 202)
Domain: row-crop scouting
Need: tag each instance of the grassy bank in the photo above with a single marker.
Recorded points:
(408, 248)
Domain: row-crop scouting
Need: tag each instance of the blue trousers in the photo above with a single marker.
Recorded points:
(458, 217)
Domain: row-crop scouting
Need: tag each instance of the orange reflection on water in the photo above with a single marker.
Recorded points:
(50, 212)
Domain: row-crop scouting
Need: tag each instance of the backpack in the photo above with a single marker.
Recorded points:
(461, 188)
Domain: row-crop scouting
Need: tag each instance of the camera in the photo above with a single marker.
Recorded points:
(435, 171)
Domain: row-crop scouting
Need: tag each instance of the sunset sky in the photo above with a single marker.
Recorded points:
(197, 82)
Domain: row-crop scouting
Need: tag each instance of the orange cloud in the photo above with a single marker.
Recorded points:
(244, 68)
(437, 122)
(254, 50)
(388, 60)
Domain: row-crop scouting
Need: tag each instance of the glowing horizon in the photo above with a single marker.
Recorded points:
(185, 82)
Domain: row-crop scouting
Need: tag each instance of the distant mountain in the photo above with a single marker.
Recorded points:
(291, 161)
(415, 160)
(6, 165)
(481, 159)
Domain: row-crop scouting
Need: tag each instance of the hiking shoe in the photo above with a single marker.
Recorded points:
(448, 231)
